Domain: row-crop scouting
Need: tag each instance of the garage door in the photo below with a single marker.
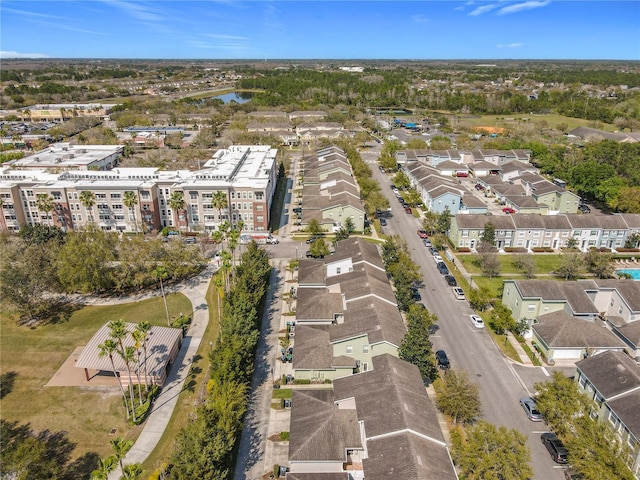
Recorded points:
(567, 354)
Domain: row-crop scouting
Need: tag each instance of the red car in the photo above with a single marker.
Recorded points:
(422, 234)
(508, 210)
(408, 210)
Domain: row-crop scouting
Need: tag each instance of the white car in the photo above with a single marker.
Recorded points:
(437, 258)
(477, 321)
(458, 293)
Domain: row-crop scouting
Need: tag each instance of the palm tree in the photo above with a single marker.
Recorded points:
(105, 467)
(107, 348)
(177, 203)
(232, 241)
(128, 355)
(121, 447)
(118, 331)
(161, 274)
(88, 200)
(130, 200)
(45, 203)
(138, 338)
(132, 471)
(219, 201)
(144, 328)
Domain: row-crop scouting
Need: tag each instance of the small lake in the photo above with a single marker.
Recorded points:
(238, 97)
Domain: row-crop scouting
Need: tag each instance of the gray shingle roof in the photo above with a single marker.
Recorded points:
(561, 330)
(320, 431)
(406, 456)
(627, 408)
(629, 290)
(612, 373)
(317, 304)
(391, 398)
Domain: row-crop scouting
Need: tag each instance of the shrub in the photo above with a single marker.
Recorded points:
(302, 381)
(622, 249)
(463, 250)
(143, 410)
(542, 249)
(515, 249)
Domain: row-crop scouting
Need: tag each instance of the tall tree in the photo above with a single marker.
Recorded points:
(490, 453)
(105, 467)
(177, 204)
(144, 328)
(459, 397)
(45, 203)
(88, 200)
(118, 332)
(444, 221)
(219, 201)
(161, 274)
(109, 347)
(130, 200)
(570, 267)
(416, 346)
(120, 448)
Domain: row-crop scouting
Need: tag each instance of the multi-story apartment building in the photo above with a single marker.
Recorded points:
(180, 198)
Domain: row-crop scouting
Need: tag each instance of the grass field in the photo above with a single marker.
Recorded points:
(510, 121)
(194, 391)
(35, 354)
(544, 264)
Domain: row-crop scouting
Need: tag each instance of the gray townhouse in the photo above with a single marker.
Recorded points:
(612, 381)
(554, 231)
(378, 424)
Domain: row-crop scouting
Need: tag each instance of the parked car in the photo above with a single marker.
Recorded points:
(422, 234)
(382, 169)
(584, 208)
(427, 242)
(451, 280)
(383, 222)
(297, 210)
(190, 240)
(442, 360)
(508, 210)
(477, 321)
(433, 251)
(438, 258)
(408, 210)
(310, 240)
(415, 294)
(458, 293)
(555, 447)
(442, 268)
(531, 409)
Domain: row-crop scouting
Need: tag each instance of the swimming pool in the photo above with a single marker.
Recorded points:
(634, 272)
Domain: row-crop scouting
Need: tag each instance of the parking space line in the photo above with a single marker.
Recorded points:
(544, 370)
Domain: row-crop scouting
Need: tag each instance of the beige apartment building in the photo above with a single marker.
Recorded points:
(246, 174)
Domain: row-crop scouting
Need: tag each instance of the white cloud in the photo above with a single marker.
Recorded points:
(419, 19)
(510, 45)
(483, 9)
(137, 10)
(10, 54)
(519, 7)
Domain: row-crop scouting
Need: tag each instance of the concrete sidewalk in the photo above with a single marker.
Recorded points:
(195, 289)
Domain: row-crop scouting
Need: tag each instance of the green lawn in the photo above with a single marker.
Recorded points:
(544, 263)
(510, 121)
(194, 391)
(35, 354)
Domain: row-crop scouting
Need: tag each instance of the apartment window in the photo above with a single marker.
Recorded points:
(115, 196)
(101, 196)
(250, 194)
(145, 206)
(583, 382)
(260, 218)
(29, 193)
(365, 349)
(611, 303)
(593, 233)
(338, 271)
(244, 206)
(259, 208)
(521, 234)
(116, 206)
(517, 303)
(233, 194)
(548, 233)
(531, 307)
(233, 206)
(69, 195)
(349, 348)
(144, 195)
(56, 195)
(259, 195)
(619, 309)
(244, 195)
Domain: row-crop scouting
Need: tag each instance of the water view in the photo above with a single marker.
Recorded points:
(238, 97)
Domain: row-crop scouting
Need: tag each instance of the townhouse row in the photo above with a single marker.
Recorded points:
(595, 323)
(377, 421)
(145, 199)
(503, 177)
(327, 192)
(554, 231)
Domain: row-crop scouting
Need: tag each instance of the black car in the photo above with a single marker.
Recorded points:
(584, 208)
(383, 222)
(297, 210)
(451, 280)
(310, 240)
(415, 295)
(442, 359)
(442, 268)
(555, 446)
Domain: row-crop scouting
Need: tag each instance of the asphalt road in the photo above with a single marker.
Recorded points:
(470, 348)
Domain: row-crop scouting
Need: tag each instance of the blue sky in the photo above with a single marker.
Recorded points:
(300, 29)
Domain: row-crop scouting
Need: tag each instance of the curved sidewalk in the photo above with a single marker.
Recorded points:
(195, 289)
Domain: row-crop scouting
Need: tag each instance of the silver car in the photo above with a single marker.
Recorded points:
(531, 409)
